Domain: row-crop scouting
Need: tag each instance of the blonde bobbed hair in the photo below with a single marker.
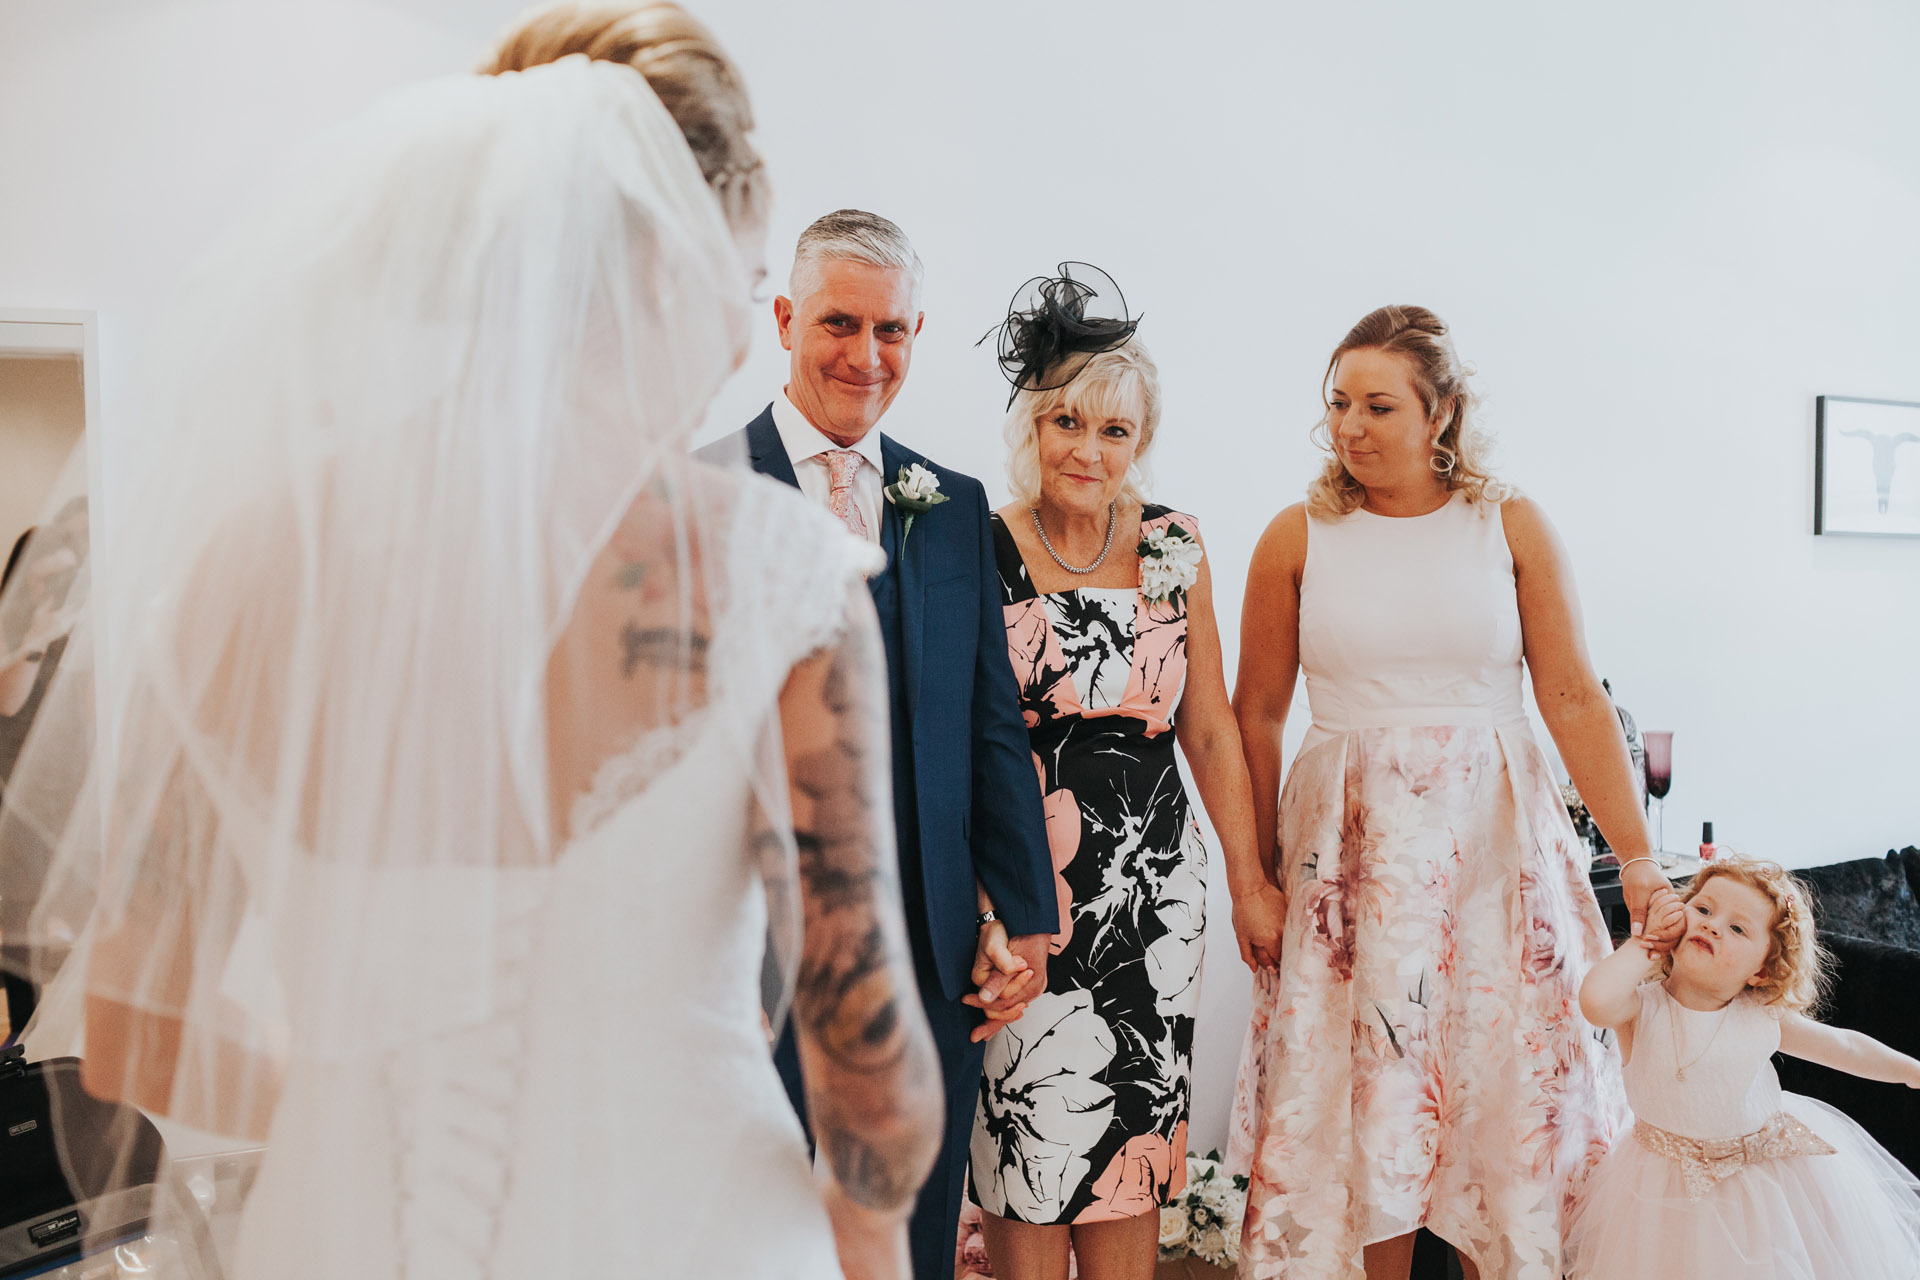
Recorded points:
(1798, 968)
(1121, 383)
(1420, 338)
(686, 68)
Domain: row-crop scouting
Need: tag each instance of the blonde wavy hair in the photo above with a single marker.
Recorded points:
(1121, 383)
(686, 68)
(1798, 968)
(1439, 378)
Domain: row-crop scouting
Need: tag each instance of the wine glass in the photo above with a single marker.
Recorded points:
(1659, 743)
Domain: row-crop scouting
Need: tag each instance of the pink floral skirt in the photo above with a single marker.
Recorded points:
(1420, 1059)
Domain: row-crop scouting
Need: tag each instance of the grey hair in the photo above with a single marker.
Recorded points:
(852, 235)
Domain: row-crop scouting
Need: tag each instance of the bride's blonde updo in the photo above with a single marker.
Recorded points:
(685, 66)
(1440, 379)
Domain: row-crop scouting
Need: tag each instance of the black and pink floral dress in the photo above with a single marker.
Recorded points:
(1084, 1101)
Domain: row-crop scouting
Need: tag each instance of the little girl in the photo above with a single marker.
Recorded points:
(1725, 1176)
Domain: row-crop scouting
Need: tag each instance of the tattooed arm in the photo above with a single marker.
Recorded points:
(873, 1081)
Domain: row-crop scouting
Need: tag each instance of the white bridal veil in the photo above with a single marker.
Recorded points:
(395, 427)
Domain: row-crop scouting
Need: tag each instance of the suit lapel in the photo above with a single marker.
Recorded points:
(904, 558)
(766, 453)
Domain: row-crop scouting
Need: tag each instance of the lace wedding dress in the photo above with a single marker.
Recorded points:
(395, 804)
(616, 1112)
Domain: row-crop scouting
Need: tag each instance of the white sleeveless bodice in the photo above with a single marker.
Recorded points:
(1410, 621)
(1731, 1087)
(585, 1086)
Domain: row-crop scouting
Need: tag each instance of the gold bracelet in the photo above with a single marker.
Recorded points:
(1642, 858)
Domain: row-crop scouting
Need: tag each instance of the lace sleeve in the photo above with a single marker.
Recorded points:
(791, 566)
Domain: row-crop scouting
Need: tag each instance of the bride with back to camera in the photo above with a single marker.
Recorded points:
(471, 738)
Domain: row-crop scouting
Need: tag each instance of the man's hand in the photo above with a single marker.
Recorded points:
(1000, 981)
(1005, 976)
(1638, 884)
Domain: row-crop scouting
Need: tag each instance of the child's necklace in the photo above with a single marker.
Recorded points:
(1673, 1026)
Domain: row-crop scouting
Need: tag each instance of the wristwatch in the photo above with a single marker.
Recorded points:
(985, 917)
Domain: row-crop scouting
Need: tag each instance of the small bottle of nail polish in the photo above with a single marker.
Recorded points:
(1707, 847)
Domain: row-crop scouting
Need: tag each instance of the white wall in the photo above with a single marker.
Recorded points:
(1658, 230)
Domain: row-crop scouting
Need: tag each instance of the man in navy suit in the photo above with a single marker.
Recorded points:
(965, 793)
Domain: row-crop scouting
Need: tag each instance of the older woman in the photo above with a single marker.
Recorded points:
(1082, 1127)
(1418, 1058)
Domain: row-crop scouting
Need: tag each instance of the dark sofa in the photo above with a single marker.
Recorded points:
(1869, 917)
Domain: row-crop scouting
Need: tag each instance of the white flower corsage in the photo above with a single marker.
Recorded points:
(916, 492)
(1169, 562)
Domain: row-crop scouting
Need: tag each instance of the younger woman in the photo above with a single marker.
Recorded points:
(1725, 1175)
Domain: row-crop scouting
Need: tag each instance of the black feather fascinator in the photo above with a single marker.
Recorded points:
(1056, 324)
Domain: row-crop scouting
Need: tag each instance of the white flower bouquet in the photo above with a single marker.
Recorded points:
(1204, 1222)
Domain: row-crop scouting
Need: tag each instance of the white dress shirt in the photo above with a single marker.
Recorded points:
(805, 449)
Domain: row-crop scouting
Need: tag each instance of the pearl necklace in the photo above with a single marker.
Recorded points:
(1041, 529)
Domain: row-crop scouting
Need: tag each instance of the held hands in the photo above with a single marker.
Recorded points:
(1643, 884)
(1259, 920)
(1007, 972)
(1666, 920)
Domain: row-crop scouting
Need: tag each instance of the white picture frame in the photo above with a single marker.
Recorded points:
(1866, 468)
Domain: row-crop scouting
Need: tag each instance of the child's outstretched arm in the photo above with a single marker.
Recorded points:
(1610, 995)
(1848, 1051)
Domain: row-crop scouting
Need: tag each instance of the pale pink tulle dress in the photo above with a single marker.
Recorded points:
(1850, 1214)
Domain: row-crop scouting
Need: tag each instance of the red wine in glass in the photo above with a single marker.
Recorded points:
(1659, 743)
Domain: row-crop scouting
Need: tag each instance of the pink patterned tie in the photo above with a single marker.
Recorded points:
(843, 465)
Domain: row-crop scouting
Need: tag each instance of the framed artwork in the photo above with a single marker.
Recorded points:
(1866, 468)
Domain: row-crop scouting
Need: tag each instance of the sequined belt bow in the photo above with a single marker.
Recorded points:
(1705, 1161)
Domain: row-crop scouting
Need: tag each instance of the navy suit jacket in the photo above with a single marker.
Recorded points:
(976, 804)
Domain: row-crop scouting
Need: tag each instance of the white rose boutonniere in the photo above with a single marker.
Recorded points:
(1169, 562)
(916, 492)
